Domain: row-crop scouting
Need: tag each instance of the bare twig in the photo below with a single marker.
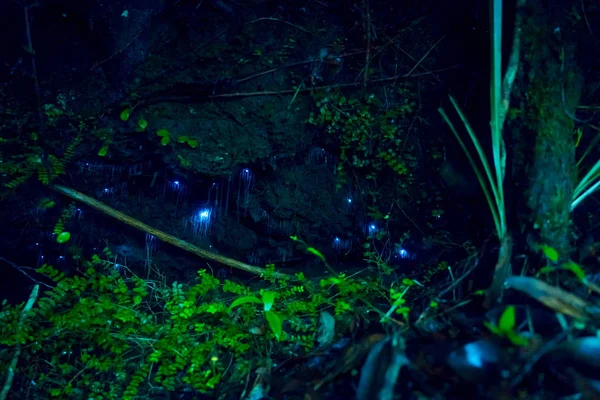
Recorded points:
(400, 49)
(426, 54)
(113, 55)
(587, 22)
(36, 82)
(368, 53)
(296, 64)
(473, 259)
(278, 20)
(22, 270)
(342, 85)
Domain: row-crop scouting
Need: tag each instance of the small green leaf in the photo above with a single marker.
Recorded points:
(46, 203)
(275, 322)
(163, 133)
(103, 151)
(576, 269)
(125, 114)
(183, 139)
(142, 124)
(547, 269)
(549, 252)
(408, 282)
(316, 252)
(268, 299)
(165, 140)
(517, 339)
(245, 300)
(492, 327)
(193, 143)
(63, 237)
(507, 320)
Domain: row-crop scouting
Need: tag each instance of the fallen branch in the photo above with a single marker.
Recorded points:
(165, 237)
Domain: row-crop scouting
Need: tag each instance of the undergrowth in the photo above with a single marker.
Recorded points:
(105, 333)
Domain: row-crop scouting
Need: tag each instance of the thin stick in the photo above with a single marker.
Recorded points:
(36, 82)
(278, 20)
(118, 51)
(426, 54)
(10, 374)
(296, 64)
(21, 270)
(368, 53)
(342, 85)
(165, 237)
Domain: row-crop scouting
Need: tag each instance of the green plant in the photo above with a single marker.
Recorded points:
(495, 177)
(398, 301)
(125, 114)
(369, 136)
(106, 333)
(165, 136)
(506, 327)
(193, 143)
(267, 300)
(31, 160)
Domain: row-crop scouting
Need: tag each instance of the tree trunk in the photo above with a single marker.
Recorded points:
(553, 88)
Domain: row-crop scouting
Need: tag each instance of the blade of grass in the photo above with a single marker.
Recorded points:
(592, 174)
(475, 167)
(498, 203)
(589, 148)
(496, 107)
(583, 189)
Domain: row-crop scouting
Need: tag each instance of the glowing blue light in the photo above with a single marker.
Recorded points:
(175, 186)
(201, 222)
(349, 200)
(341, 244)
(204, 214)
(244, 189)
(402, 253)
(106, 190)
